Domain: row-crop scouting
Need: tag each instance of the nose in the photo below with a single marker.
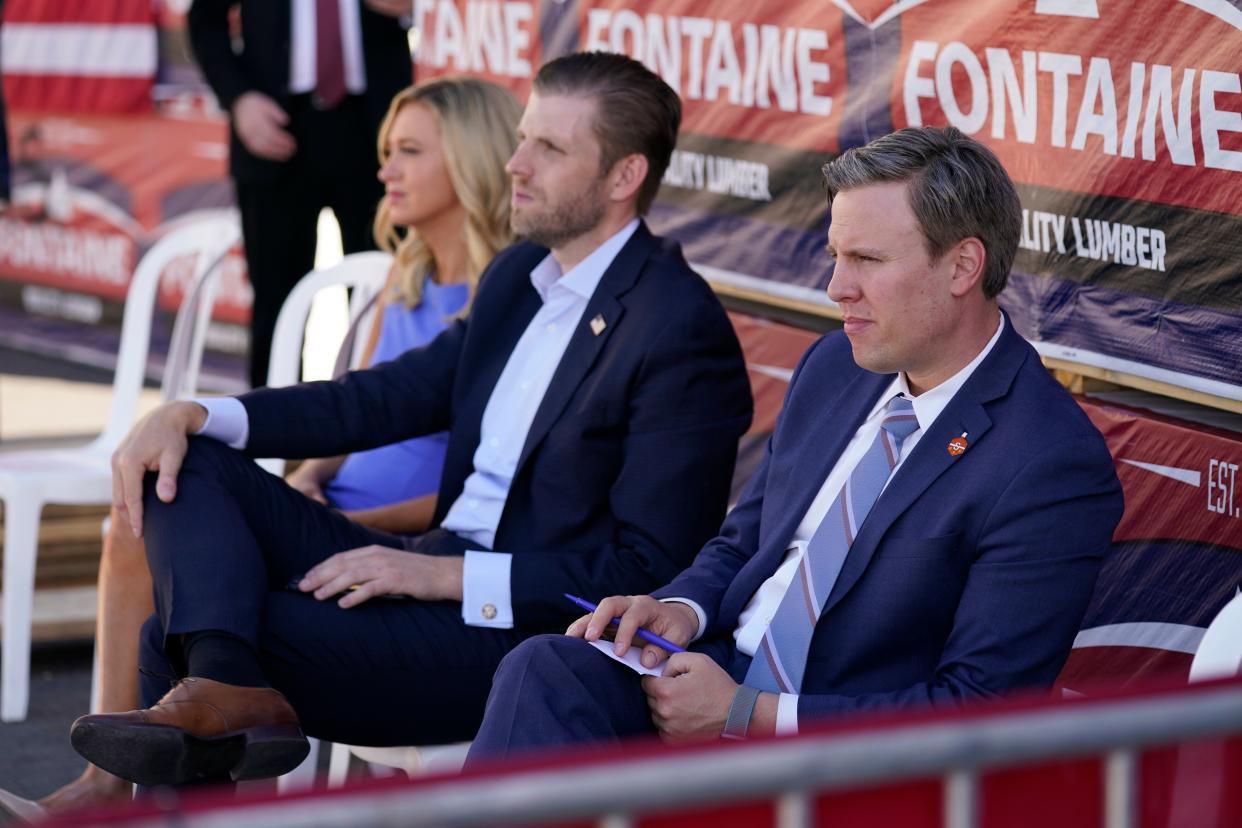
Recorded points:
(517, 165)
(385, 172)
(841, 284)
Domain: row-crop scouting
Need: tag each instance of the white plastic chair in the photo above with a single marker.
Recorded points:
(364, 274)
(1198, 784)
(1220, 652)
(411, 760)
(29, 479)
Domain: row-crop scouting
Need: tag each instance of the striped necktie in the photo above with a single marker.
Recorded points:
(780, 661)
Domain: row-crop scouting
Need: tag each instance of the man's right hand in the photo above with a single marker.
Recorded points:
(157, 442)
(670, 620)
(260, 124)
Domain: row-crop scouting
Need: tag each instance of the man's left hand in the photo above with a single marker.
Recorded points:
(690, 702)
(369, 571)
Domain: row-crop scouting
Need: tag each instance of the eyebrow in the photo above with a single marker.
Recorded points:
(552, 141)
(870, 252)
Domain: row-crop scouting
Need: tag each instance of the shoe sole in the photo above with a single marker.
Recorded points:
(163, 755)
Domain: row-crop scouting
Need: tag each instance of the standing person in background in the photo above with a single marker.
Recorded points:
(305, 94)
(442, 150)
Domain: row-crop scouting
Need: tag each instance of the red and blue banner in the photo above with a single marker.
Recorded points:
(79, 56)
(1121, 123)
(1177, 554)
(1176, 557)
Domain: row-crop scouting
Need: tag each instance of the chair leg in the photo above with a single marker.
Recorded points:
(338, 765)
(303, 776)
(21, 534)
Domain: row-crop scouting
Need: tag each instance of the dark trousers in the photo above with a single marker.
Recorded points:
(388, 672)
(335, 166)
(553, 690)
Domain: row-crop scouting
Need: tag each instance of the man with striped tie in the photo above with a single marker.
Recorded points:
(927, 523)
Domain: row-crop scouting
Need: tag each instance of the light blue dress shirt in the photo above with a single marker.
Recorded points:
(506, 421)
(486, 598)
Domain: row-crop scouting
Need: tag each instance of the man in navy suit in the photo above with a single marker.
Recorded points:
(594, 399)
(926, 525)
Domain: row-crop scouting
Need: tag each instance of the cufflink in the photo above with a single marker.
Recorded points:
(489, 612)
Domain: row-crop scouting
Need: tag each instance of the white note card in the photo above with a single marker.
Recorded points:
(630, 659)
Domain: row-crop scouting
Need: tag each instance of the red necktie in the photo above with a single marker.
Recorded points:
(329, 56)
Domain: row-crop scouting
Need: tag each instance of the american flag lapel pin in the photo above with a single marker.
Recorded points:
(957, 446)
(598, 324)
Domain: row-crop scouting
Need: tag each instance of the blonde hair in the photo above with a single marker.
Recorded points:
(478, 123)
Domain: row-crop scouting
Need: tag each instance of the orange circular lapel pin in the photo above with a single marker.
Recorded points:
(957, 446)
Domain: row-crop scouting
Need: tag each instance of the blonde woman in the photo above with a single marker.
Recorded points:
(442, 147)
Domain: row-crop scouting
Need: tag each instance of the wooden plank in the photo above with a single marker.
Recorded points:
(1164, 389)
(1071, 374)
(759, 297)
(70, 542)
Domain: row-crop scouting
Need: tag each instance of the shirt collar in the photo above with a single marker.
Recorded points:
(929, 404)
(582, 278)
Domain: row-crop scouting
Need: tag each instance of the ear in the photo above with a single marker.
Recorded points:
(968, 257)
(627, 176)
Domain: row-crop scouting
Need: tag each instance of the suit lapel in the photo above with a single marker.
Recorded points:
(826, 427)
(931, 458)
(817, 454)
(586, 344)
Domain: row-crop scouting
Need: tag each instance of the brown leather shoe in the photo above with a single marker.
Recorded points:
(202, 729)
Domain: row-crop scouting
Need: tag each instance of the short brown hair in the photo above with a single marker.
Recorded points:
(637, 113)
(958, 189)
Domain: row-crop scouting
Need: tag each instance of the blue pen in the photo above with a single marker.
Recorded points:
(645, 635)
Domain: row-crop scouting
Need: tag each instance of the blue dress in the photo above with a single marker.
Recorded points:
(399, 471)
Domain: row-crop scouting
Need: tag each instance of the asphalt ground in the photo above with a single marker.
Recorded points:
(35, 755)
(46, 401)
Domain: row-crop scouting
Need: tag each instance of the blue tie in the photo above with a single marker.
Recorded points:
(780, 661)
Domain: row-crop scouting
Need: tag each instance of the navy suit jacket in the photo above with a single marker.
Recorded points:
(625, 470)
(971, 573)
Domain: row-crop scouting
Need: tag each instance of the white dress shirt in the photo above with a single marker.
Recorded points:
(486, 596)
(486, 599)
(755, 617)
(303, 69)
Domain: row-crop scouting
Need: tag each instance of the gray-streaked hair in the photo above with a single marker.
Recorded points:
(958, 189)
(636, 112)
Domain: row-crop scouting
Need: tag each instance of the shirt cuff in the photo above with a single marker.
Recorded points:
(227, 421)
(486, 599)
(787, 715)
(698, 611)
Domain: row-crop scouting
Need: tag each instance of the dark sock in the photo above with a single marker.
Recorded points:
(221, 656)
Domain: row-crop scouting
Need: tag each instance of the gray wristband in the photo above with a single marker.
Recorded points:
(738, 720)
